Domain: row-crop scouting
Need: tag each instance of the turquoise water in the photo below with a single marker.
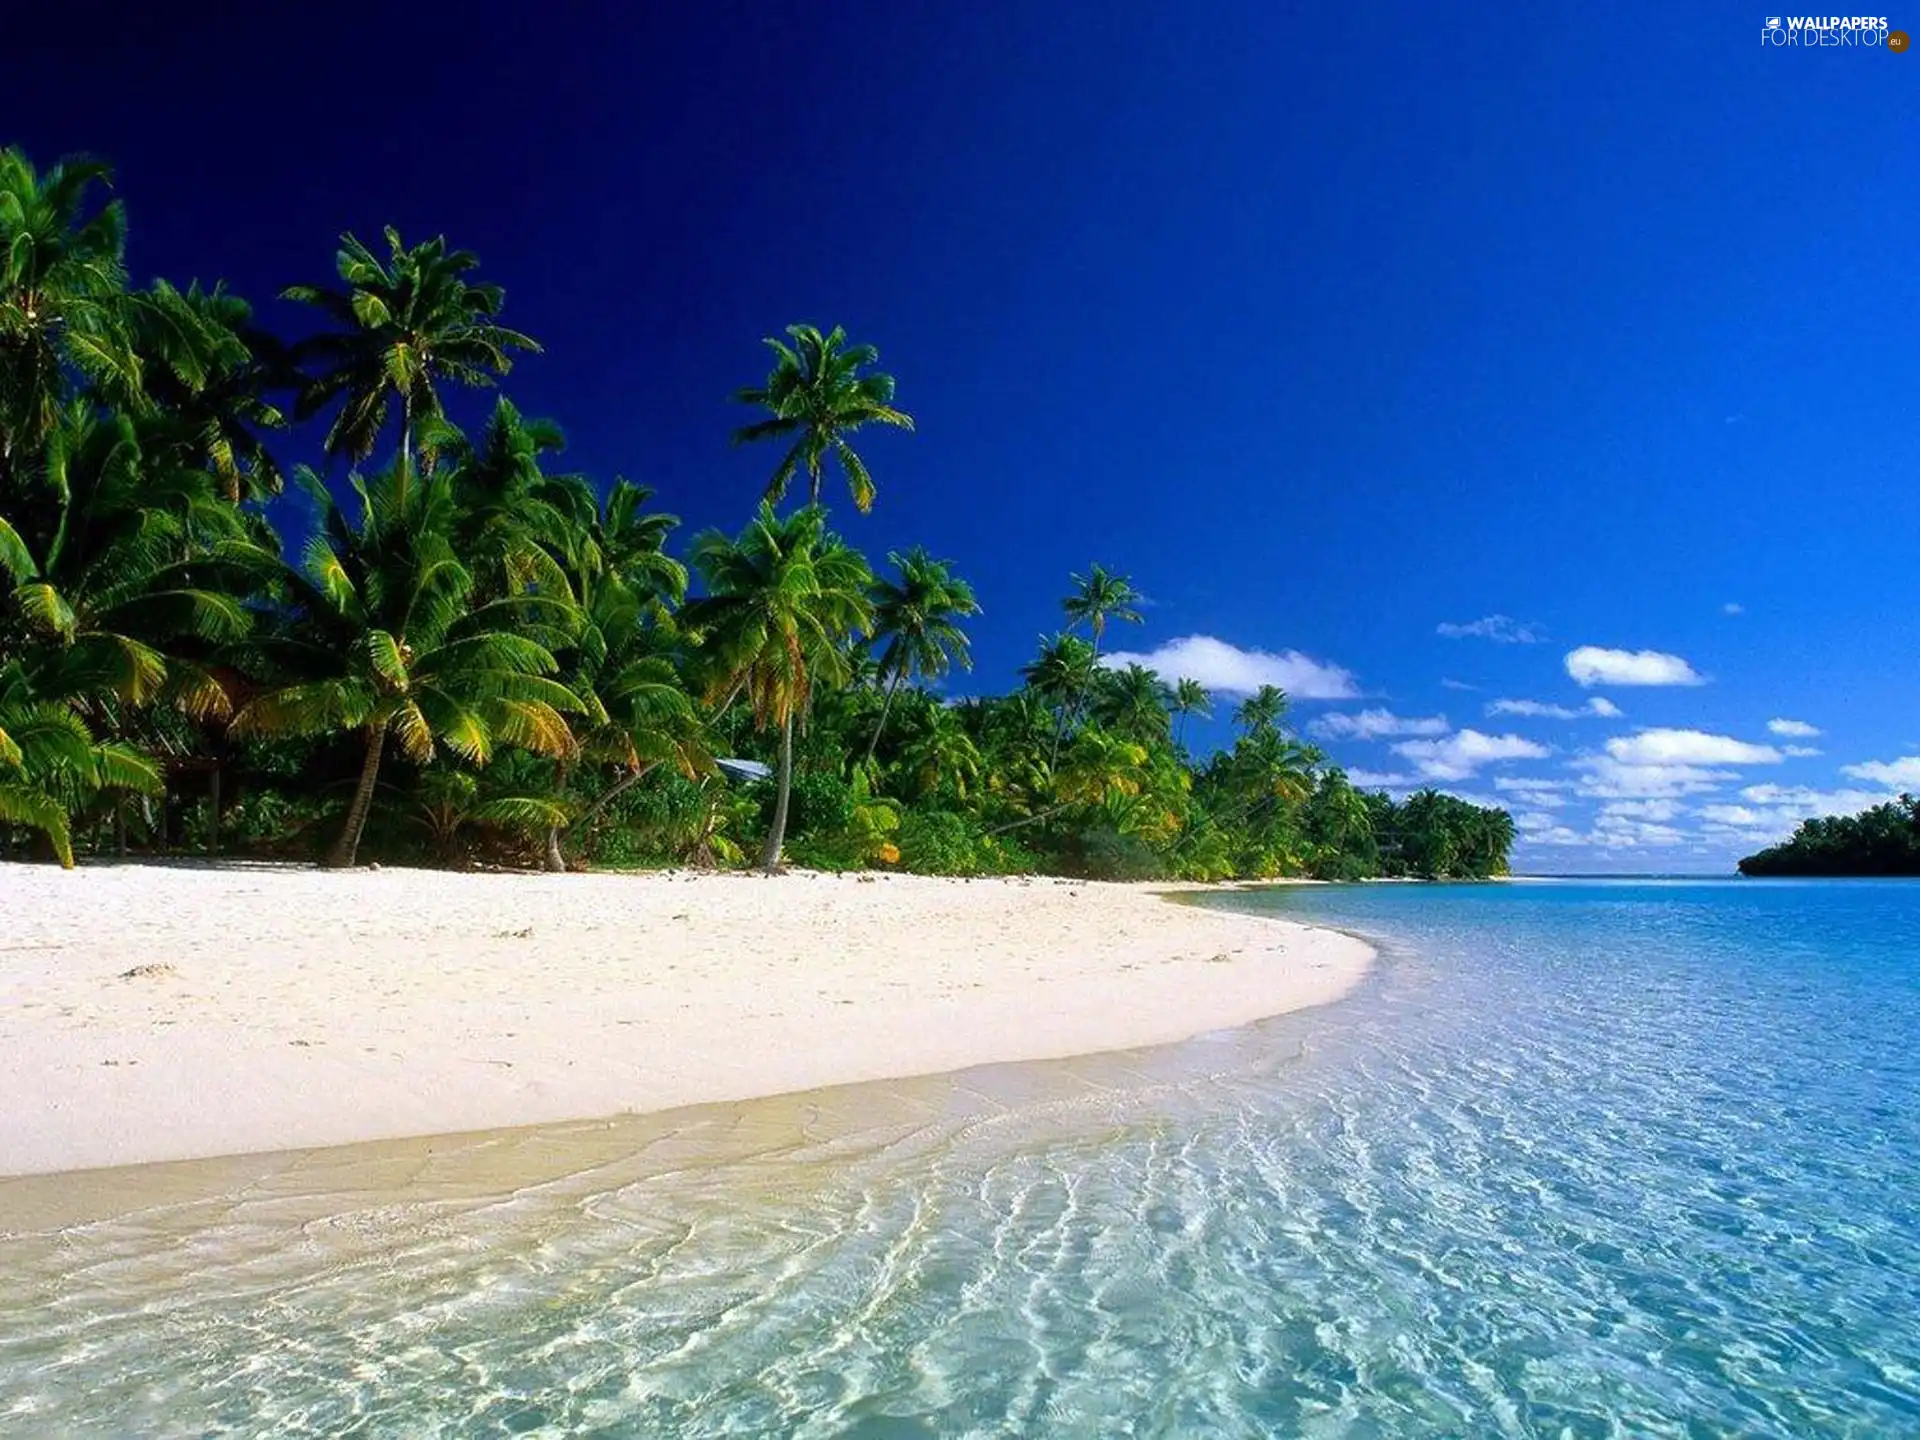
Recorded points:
(1581, 1159)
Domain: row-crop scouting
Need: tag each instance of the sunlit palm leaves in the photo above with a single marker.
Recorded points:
(381, 637)
(781, 598)
(400, 326)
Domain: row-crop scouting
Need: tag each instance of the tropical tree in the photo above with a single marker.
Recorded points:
(380, 637)
(62, 299)
(816, 396)
(1098, 597)
(636, 713)
(206, 366)
(1190, 697)
(918, 620)
(1060, 675)
(1262, 710)
(780, 601)
(400, 326)
(1134, 703)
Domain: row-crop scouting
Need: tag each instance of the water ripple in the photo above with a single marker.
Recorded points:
(1582, 1161)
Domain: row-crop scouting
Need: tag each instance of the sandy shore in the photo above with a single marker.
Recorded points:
(155, 1013)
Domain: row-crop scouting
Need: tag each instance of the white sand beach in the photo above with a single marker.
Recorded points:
(154, 1013)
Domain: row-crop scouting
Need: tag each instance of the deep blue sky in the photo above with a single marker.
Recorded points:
(1326, 328)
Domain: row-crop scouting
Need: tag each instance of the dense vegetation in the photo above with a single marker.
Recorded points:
(1882, 841)
(466, 654)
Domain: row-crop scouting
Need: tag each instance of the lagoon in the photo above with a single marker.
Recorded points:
(1580, 1158)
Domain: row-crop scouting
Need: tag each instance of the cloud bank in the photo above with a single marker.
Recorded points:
(1228, 670)
(1501, 629)
(1594, 665)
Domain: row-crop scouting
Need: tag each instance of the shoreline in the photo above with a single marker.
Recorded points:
(161, 1013)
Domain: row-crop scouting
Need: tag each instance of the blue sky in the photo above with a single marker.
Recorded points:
(1332, 330)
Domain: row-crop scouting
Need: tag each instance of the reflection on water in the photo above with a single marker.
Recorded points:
(1579, 1160)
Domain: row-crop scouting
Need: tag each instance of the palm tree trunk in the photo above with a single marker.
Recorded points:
(777, 835)
(885, 706)
(120, 827)
(556, 860)
(406, 445)
(610, 794)
(347, 848)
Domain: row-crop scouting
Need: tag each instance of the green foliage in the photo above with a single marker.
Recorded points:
(1883, 840)
(471, 656)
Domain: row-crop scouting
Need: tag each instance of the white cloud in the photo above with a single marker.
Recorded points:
(1229, 670)
(1594, 665)
(1607, 778)
(1501, 629)
(1904, 771)
(1545, 793)
(1379, 780)
(1657, 810)
(1733, 607)
(1688, 747)
(1458, 756)
(1621, 832)
(1804, 800)
(1540, 709)
(1799, 729)
(1801, 752)
(1449, 684)
(1376, 724)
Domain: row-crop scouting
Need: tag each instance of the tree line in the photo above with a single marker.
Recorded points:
(471, 655)
(1883, 840)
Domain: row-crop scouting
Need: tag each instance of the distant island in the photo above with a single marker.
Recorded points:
(1882, 841)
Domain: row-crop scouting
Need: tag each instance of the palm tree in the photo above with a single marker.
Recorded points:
(207, 366)
(1134, 703)
(816, 397)
(781, 600)
(62, 299)
(938, 750)
(1060, 675)
(636, 711)
(399, 327)
(1262, 710)
(1190, 697)
(122, 559)
(381, 638)
(50, 764)
(919, 617)
(1100, 596)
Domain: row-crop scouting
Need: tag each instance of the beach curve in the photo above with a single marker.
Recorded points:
(157, 1013)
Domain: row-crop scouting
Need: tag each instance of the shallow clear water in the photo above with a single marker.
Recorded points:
(1581, 1159)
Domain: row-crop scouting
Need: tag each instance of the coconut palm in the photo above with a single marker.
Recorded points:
(816, 397)
(1190, 697)
(381, 638)
(400, 326)
(1134, 703)
(1060, 675)
(1262, 710)
(205, 364)
(636, 713)
(780, 601)
(918, 617)
(125, 566)
(62, 299)
(938, 751)
(1100, 596)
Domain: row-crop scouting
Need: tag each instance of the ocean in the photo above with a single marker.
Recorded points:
(1580, 1158)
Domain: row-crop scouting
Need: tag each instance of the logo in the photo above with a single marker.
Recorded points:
(1859, 32)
